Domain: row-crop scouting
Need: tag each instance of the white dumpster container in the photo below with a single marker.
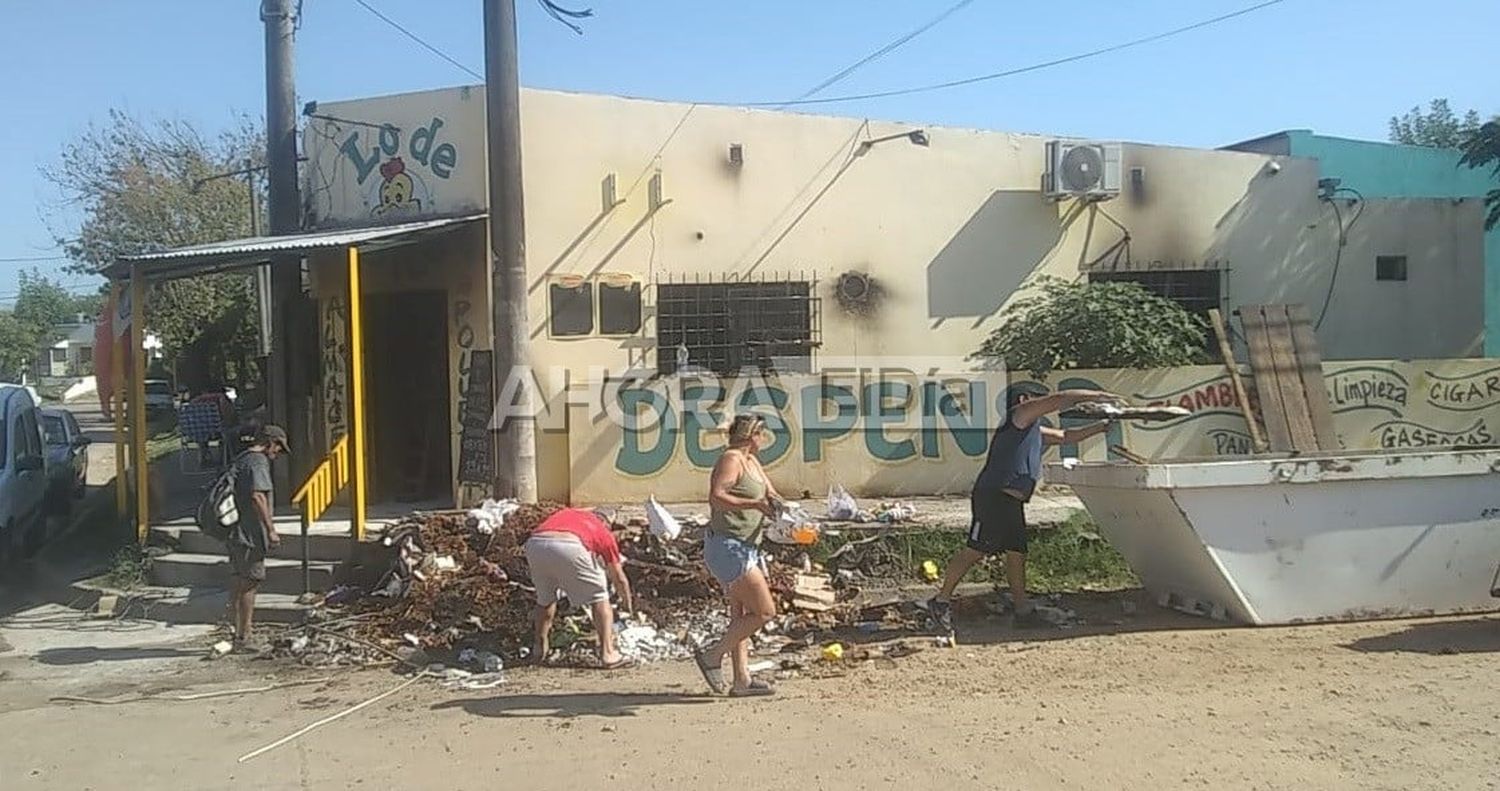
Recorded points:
(1324, 537)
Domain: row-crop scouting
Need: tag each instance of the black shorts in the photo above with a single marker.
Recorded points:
(247, 563)
(998, 523)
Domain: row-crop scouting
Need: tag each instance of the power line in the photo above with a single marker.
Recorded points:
(29, 258)
(883, 51)
(414, 37)
(1024, 69)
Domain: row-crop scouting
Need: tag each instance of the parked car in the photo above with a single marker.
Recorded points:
(67, 456)
(35, 397)
(159, 397)
(23, 474)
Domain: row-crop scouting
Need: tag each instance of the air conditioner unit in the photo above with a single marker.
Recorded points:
(1082, 169)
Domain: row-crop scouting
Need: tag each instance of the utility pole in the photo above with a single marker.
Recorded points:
(515, 448)
(280, 19)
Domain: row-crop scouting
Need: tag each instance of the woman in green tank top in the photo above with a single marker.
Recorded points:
(741, 500)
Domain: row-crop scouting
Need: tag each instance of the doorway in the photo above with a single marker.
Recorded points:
(406, 393)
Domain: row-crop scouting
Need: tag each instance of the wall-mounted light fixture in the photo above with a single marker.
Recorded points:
(917, 137)
(736, 154)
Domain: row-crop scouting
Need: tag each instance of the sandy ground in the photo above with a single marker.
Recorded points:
(1157, 701)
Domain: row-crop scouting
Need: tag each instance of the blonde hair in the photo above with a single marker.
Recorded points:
(743, 427)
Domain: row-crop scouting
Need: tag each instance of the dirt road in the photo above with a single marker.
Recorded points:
(1173, 704)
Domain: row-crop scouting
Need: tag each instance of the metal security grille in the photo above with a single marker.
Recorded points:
(725, 327)
(1197, 290)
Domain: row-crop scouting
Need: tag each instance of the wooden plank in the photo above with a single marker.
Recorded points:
(1310, 368)
(1257, 438)
(1289, 379)
(1253, 320)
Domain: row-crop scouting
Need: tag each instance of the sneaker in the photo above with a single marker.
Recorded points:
(1031, 619)
(941, 613)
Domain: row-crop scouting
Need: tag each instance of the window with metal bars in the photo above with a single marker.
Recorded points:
(726, 327)
(1196, 290)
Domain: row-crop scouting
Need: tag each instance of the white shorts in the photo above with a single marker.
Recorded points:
(561, 564)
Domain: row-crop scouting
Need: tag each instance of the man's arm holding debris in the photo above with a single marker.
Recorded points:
(1072, 436)
(1029, 412)
(616, 572)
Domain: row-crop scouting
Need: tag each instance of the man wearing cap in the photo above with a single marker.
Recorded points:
(255, 534)
(573, 552)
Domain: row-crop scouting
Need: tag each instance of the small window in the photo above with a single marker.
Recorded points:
(59, 355)
(619, 307)
(571, 305)
(85, 354)
(1390, 267)
(54, 430)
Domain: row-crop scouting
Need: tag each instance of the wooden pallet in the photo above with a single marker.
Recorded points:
(1288, 369)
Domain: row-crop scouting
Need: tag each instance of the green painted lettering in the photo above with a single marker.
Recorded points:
(879, 413)
(632, 459)
(816, 430)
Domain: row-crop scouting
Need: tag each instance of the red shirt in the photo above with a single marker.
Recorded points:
(590, 529)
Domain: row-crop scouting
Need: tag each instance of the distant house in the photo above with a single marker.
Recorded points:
(71, 355)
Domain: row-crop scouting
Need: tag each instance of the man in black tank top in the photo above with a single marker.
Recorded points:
(997, 504)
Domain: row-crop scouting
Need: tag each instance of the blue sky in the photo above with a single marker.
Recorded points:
(1337, 66)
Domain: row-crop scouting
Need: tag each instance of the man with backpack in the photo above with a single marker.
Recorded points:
(254, 535)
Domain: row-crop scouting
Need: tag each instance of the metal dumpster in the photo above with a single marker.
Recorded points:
(1314, 537)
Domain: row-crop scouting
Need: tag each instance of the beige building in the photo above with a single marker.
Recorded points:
(730, 237)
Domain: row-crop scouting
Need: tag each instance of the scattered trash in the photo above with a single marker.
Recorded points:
(833, 652)
(793, 525)
(221, 648)
(841, 505)
(763, 666)
(930, 571)
(893, 512)
(444, 563)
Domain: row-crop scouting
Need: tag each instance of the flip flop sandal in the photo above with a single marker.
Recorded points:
(757, 689)
(620, 664)
(713, 676)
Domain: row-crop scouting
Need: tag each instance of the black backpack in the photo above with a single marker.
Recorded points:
(217, 514)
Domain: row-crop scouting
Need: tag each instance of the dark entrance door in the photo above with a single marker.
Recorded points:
(406, 364)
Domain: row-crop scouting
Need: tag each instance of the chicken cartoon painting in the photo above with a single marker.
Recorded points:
(397, 190)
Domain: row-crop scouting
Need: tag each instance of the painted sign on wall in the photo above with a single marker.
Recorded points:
(395, 159)
(930, 435)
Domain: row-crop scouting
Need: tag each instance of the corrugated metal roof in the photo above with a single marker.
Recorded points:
(182, 261)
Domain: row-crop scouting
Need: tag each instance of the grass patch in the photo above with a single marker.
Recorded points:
(1067, 558)
(1074, 557)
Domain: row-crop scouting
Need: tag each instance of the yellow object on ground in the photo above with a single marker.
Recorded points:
(930, 571)
(833, 652)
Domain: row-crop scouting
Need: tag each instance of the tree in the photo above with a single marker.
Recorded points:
(1482, 149)
(17, 347)
(41, 305)
(142, 187)
(1436, 128)
(1094, 325)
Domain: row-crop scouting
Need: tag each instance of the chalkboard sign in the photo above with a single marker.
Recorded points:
(475, 457)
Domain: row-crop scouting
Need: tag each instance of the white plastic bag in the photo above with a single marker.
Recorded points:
(491, 514)
(663, 525)
(841, 504)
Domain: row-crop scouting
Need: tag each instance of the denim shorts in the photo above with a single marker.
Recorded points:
(728, 558)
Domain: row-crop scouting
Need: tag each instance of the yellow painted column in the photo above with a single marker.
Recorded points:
(117, 402)
(138, 402)
(356, 396)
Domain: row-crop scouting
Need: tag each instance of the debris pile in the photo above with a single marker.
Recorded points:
(457, 591)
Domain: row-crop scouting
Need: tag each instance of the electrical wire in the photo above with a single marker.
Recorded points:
(883, 51)
(1024, 69)
(419, 40)
(563, 15)
(29, 258)
(1341, 240)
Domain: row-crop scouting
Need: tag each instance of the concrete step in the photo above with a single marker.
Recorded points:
(187, 604)
(283, 575)
(322, 546)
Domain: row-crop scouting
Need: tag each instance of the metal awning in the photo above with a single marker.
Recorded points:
(221, 256)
